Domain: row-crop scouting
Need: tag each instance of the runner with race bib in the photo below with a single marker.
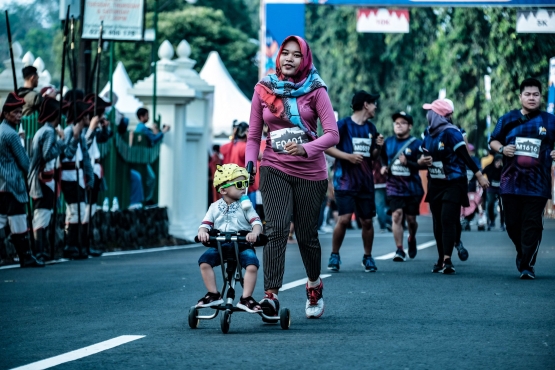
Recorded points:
(404, 186)
(525, 138)
(444, 152)
(353, 182)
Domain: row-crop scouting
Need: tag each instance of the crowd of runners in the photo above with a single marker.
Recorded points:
(293, 175)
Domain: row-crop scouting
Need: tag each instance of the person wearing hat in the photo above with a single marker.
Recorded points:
(33, 99)
(48, 143)
(359, 145)
(525, 137)
(444, 153)
(96, 133)
(404, 186)
(459, 246)
(227, 215)
(493, 172)
(14, 166)
(77, 175)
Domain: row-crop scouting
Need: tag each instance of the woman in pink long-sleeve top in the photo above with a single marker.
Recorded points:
(293, 174)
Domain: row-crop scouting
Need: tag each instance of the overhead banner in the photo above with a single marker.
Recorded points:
(123, 19)
(551, 87)
(426, 3)
(383, 20)
(537, 21)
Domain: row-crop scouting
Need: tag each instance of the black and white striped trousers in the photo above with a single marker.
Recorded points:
(284, 196)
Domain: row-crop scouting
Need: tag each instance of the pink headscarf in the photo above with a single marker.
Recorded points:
(306, 62)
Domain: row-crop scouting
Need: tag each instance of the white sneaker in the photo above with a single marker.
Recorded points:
(315, 301)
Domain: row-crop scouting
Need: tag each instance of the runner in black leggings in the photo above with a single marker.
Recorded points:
(444, 152)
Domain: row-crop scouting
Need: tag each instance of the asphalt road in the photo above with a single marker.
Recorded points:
(402, 317)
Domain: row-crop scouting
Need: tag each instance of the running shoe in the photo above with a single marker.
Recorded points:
(249, 304)
(270, 304)
(334, 262)
(438, 267)
(527, 275)
(314, 301)
(461, 251)
(210, 300)
(369, 264)
(400, 255)
(412, 246)
(448, 267)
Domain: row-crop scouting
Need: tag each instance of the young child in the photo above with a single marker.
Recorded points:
(226, 215)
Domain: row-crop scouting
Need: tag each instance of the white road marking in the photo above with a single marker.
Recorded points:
(119, 253)
(418, 247)
(298, 282)
(80, 353)
(151, 250)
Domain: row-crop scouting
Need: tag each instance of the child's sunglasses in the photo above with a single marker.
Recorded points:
(240, 184)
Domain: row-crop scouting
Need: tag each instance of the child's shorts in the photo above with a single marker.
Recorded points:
(212, 256)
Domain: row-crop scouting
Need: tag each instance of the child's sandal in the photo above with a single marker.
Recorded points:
(249, 304)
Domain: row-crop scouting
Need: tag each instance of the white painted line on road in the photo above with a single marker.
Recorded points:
(16, 266)
(119, 253)
(299, 282)
(80, 353)
(418, 247)
(151, 250)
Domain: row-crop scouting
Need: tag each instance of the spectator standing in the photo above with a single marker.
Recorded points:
(14, 166)
(153, 139)
(48, 144)
(33, 99)
(77, 177)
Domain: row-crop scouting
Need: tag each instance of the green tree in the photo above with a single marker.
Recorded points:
(206, 30)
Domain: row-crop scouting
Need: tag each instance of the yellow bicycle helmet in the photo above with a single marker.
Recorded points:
(228, 172)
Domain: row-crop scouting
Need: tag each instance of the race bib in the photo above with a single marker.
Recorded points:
(528, 147)
(280, 138)
(362, 146)
(397, 169)
(436, 170)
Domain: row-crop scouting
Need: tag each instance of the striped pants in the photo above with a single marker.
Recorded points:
(284, 196)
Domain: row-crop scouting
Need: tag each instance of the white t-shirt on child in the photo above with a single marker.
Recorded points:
(230, 218)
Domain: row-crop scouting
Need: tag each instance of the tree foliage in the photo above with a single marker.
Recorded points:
(224, 26)
(451, 48)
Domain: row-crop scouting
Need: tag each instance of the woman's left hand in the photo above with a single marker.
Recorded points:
(293, 148)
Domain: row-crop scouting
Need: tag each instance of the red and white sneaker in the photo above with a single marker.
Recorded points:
(270, 304)
(315, 301)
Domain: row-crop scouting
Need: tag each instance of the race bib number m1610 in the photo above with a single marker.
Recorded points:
(280, 138)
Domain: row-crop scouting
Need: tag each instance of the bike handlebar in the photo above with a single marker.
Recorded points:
(234, 237)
